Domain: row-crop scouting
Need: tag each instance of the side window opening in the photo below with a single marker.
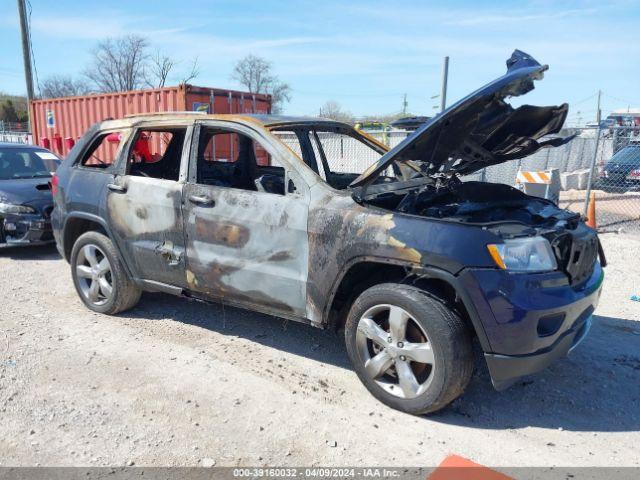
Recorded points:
(233, 160)
(156, 153)
(103, 150)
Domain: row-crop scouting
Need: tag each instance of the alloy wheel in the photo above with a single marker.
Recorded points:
(395, 350)
(93, 272)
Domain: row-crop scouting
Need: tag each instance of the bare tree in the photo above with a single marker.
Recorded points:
(193, 73)
(334, 111)
(119, 64)
(254, 73)
(63, 86)
(160, 66)
(158, 70)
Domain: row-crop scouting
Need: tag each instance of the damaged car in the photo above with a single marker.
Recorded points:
(311, 220)
(25, 194)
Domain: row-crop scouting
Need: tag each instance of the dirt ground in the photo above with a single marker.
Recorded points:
(175, 382)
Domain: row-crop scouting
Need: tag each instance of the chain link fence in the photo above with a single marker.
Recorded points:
(12, 132)
(602, 162)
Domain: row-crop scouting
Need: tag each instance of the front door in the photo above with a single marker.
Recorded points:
(245, 223)
(144, 205)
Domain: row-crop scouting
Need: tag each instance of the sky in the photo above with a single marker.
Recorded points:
(365, 55)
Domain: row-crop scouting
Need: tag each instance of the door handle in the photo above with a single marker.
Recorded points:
(202, 200)
(116, 188)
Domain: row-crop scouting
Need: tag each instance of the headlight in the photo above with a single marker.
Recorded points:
(532, 254)
(11, 208)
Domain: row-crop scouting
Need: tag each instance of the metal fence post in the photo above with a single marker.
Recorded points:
(546, 163)
(593, 166)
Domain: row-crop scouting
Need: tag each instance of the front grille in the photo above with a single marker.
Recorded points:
(576, 254)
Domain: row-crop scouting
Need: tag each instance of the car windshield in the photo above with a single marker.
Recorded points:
(627, 156)
(16, 162)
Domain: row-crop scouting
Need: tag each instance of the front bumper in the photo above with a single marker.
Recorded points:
(507, 369)
(530, 320)
(24, 229)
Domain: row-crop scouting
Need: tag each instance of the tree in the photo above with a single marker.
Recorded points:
(160, 66)
(193, 73)
(8, 112)
(119, 64)
(254, 73)
(13, 108)
(334, 111)
(63, 86)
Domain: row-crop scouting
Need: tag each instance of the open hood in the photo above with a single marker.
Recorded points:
(481, 129)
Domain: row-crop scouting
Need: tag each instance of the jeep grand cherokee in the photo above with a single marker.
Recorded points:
(274, 214)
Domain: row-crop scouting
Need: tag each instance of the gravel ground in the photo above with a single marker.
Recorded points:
(175, 382)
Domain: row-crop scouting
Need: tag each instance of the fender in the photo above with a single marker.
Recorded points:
(423, 271)
(454, 281)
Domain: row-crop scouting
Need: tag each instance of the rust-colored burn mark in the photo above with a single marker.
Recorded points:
(372, 222)
(227, 234)
(407, 253)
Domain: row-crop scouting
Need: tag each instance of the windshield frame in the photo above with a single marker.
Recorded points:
(314, 155)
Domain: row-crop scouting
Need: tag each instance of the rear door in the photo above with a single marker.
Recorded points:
(144, 202)
(245, 214)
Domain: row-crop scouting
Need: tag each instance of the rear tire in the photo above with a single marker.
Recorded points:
(99, 276)
(421, 371)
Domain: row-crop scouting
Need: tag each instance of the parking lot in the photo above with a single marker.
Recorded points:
(175, 382)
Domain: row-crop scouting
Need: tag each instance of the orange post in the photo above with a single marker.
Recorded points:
(591, 211)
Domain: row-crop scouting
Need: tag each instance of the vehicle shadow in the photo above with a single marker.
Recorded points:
(275, 332)
(39, 252)
(597, 388)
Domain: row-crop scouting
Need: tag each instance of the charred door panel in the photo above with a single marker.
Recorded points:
(247, 247)
(146, 218)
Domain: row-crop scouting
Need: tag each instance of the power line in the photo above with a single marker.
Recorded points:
(627, 101)
(584, 99)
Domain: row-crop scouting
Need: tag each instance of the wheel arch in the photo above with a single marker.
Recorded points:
(78, 223)
(364, 272)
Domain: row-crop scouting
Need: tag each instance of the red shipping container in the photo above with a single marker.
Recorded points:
(72, 116)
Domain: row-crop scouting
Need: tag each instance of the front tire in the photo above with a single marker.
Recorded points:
(411, 350)
(99, 276)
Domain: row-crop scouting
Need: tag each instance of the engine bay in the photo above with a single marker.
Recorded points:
(476, 203)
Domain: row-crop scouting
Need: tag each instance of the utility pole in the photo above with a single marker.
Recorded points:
(445, 77)
(404, 104)
(599, 113)
(26, 50)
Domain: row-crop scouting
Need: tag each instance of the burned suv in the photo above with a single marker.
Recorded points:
(273, 214)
